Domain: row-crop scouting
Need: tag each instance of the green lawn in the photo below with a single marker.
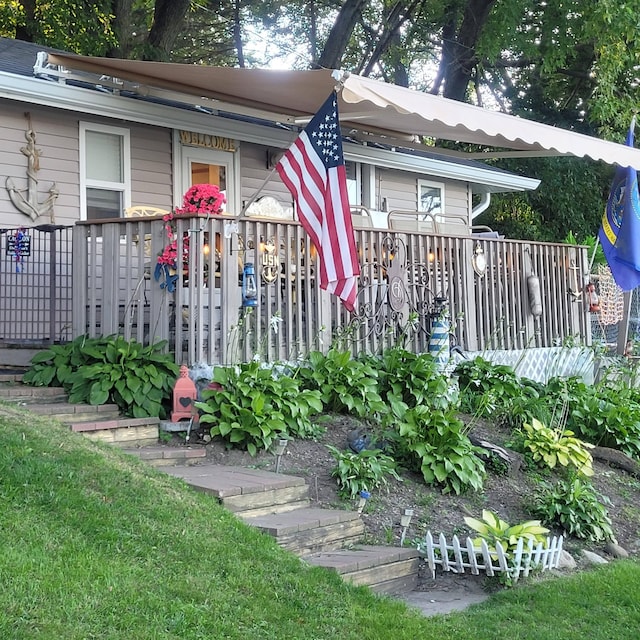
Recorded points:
(97, 545)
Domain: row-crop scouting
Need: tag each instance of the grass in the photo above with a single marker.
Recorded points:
(96, 545)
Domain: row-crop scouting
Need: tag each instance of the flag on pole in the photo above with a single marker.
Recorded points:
(620, 231)
(313, 170)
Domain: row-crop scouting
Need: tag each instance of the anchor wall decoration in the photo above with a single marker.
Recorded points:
(29, 205)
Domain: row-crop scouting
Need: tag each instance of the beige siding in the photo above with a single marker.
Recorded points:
(254, 170)
(57, 141)
(151, 167)
(400, 190)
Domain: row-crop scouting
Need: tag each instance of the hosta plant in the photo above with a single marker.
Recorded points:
(254, 406)
(492, 529)
(574, 505)
(550, 447)
(138, 378)
(434, 443)
(347, 385)
(364, 471)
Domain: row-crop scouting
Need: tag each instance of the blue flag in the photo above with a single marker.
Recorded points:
(620, 231)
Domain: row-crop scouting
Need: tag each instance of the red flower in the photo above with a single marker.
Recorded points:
(200, 199)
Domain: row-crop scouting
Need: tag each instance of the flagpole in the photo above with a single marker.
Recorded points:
(256, 195)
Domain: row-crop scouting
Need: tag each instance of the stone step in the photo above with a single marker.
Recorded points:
(15, 391)
(161, 456)
(72, 413)
(311, 530)
(389, 570)
(122, 432)
(246, 491)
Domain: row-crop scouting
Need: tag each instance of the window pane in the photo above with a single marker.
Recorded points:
(430, 199)
(104, 157)
(102, 203)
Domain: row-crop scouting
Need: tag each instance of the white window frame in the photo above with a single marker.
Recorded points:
(87, 183)
(431, 184)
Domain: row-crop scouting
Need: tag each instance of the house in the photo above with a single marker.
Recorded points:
(91, 144)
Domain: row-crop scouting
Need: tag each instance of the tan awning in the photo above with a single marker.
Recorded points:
(365, 104)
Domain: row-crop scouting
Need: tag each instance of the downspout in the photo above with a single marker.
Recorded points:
(483, 205)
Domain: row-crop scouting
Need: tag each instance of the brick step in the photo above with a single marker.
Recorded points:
(159, 456)
(6, 377)
(311, 530)
(66, 412)
(246, 491)
(122, 432)
(389, 570)
(17, 392)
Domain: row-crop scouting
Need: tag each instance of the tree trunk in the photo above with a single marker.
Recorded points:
(237, 34)
(121, 10)
(26, 31)
(462, 61)
(168, 17)
(398, 15)
(343, 27)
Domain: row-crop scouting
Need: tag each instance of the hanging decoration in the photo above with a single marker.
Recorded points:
(29, 204)
(19, 247)
(592, 297)
(200, 200)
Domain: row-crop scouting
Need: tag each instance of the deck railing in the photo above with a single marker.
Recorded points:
(407, 279)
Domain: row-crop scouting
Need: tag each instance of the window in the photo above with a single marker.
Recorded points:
(105, 171)
(431, 198)
(354, 190)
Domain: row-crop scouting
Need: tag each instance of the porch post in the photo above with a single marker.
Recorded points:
(79, 281)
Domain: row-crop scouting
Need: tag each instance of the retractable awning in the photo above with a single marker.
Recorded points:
(365, 104)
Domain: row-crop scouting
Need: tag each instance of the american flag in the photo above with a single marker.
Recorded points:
(313, 170)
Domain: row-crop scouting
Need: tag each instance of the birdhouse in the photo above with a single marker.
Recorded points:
(184, 395)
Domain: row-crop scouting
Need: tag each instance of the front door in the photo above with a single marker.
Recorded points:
(210, 166)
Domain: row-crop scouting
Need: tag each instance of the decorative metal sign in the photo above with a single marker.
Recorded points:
(19, 245)
(270, 262)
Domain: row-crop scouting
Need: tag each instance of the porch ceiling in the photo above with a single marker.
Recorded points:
(365, 104)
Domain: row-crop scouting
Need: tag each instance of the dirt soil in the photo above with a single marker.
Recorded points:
(506, 495)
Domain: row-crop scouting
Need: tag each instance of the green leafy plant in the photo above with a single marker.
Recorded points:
(53, 366)
(435, 444)
(492, 530)
(574, 505)
(346, 385)
(414, 380)
(254, 406)
(138, 378)
(487, 388)
(549, 447)
(363, 471)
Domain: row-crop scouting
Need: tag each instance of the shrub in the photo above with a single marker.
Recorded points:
(254, 407)
(363, 471)
(138, 379)
(575, 506)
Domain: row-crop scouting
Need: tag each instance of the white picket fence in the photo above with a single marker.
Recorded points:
(457, 557)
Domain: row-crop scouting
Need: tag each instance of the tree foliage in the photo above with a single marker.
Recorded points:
(564, 62)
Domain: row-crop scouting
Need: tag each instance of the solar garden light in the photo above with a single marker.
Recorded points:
(281, 445)
(362, 502)
(405, 521)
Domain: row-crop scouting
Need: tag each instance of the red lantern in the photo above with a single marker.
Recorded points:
(592, 297)
(184, 395)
